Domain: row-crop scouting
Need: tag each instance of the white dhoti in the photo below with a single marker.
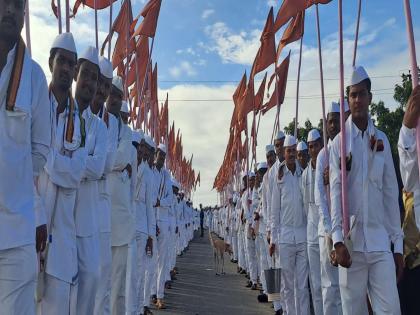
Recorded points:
(102, 299)
(241, 249)
(88, 273)
(118, 279)
(373, 273)
(294, 274)
(163, 243)
(150, 275)
(315, 277)
(331, 298)
(235, 245)
(252, 259)
(131, 303)
(143, 262)
(60, 297)
(17, 280)
(263, 258)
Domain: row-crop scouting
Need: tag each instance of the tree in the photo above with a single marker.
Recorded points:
(302, 131)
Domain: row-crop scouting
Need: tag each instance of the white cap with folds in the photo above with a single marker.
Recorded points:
(124, 107)
(313, 135)
(358, 75)
(269, 148)
(118, 83)
(105, 66)
(302, 146)
(162, 147)
(261, 165)
(137, 136)
(280, 135)
(65, 41)
(334, 108)
(290, 141)
(251, 174)
(90, 54)
(149, 141)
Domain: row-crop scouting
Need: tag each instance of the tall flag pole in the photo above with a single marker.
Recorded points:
(344, 196)
(110, 29)
(297, 88)
(60, 25)
(67, 16)
(96, 24)
(414, 69)
(321, 74)
(28, 28)
(356, 39)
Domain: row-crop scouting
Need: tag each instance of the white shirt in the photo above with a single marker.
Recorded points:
(122, 216)
(163, 192)
(312, 212)
(288, 217)
(265, 201)
(372, 192)
(25, 136)
(409, 166)
(87, 198)
(145, 214)
(321, 199)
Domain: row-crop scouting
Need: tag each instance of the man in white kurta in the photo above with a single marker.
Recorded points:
(122, 217)
(366, 261)
(331, 299)
(308, 192)
(87, 196)
(59, 182)
(24, 139)
(102, 299)
(288, 232)
(163, 205)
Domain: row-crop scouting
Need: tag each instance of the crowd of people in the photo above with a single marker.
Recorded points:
(287, 214)
(91, 221)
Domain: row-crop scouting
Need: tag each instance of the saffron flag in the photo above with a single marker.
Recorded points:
(100, 4)
(293, 32)
(288, 9)
(266, 54)
(259, 97)
(151, 14)
(237, 98)
(138, 65)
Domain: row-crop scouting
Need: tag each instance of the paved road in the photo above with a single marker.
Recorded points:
(198, 291)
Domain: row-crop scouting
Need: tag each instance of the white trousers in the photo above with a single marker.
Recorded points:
(17, 280)
(235, 245)
(263, 258)
(163, 243)
(315, 277)
(241, 249)
(102, 299)
(372, 273)
(252, 259)
(131, 303)
(88, 273)
(294, 274)
(118, 279)
(331, 298)
(150, 275)
(60, 297)
(143, 262)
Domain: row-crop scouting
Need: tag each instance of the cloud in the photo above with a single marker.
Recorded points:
(206, 13)
(183, 68)
(232, 47)
(272, 3)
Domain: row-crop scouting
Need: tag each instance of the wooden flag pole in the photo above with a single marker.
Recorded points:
(321, 74)
(67, 16)
(28, 28)
(110, 29)
(356, 39)
(344, 196)
(297, 88)
(96, 25)
(60, 26)
(414, 69)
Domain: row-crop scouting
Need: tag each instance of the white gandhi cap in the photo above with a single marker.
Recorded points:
(302, 146)
(65, 41)
(90, 54)
(105, 66)
(124, 107)
(118, 83)
(269, 148)
(358, 75)
(289, 141)
(313, 135)
(162, 148)
(280, 135)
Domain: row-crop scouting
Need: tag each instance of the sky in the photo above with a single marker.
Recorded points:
(203, 48)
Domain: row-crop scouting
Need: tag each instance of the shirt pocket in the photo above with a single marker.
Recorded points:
(18, 127)
(377, 170)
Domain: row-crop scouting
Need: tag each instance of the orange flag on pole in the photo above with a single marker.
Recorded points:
(138, 65)
(151, 14)
(100, 4)
(237, 98)
(293, 32)
(277, 98)
(266, 54)
(288, 9)
(259, 97)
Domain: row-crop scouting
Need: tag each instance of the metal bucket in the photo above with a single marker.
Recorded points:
(273, 280)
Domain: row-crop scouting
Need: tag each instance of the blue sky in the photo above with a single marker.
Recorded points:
(203, 48)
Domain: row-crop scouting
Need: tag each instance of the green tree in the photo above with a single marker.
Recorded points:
(302, 131)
